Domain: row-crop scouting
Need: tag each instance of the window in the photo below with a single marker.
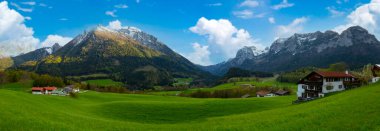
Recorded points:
(340, 86)
(304, 86)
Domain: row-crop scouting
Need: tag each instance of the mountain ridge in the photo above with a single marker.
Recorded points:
(310, 49)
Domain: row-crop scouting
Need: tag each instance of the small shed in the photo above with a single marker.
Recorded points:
(282, 92)
(265, 93)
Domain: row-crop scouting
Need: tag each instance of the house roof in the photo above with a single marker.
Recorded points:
(50, 88)
(376, 66)
(334, 74)
(262, 92)
(37, 89)
(282, 92)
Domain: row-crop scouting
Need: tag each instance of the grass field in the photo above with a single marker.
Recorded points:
(104, 82)
(269, 82)
(356, 109)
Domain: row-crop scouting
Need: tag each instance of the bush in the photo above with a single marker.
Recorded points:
(73, 95)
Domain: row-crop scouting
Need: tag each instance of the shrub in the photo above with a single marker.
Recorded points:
(73, 95)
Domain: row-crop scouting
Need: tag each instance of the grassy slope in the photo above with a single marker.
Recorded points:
(267, 82)
(104, 82)
(355, 110)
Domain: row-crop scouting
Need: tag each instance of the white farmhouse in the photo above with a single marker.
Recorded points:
(317, 84)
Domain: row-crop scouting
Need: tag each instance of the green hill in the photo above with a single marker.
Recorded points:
(355, 109)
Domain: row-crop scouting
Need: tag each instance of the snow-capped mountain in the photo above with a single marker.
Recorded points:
(354, 46)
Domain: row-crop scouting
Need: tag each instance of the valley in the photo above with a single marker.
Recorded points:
(356, 109)
(207, 65)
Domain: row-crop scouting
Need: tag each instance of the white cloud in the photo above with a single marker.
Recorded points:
(31, 3)
(27, 18)
(200, 55)
(223, 36)
(52, 39)
(115, 25)
(121, 6)
(283, 4)
(247, 14)
(250, 3)
(215, 4)
(272, 20)
(296, 26)
(111, 13)
(244, 14)
(366, 16)
(334, 12)
(21, 8)
(15, 36)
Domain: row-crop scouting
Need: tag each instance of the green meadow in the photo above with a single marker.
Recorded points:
(356, 109)
(104, 82)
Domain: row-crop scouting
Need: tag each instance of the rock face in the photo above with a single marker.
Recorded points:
(354, 46)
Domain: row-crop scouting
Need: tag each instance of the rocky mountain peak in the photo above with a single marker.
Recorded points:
(55, 47)
(248, 52)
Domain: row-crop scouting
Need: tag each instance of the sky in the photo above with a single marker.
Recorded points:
(204, 31)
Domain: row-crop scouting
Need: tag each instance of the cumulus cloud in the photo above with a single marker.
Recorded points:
(334, 12)
(200, 55)
(250, 3)
(15, 36)
(224, 36)
(111, 13)
(283, 4)
(366, 16)
(52, 39)
(272, 20)
(115, 25)
(296, 26)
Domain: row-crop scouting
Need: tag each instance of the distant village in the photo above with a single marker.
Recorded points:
(54, 90)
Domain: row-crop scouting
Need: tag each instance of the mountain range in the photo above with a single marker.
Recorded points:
(354, 46)
(135, 57)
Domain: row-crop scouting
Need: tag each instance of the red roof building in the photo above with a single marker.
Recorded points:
(43, 90)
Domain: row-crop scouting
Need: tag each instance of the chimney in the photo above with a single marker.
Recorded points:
(346, 72)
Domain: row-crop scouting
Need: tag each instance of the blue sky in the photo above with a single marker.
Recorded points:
(171, 21)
